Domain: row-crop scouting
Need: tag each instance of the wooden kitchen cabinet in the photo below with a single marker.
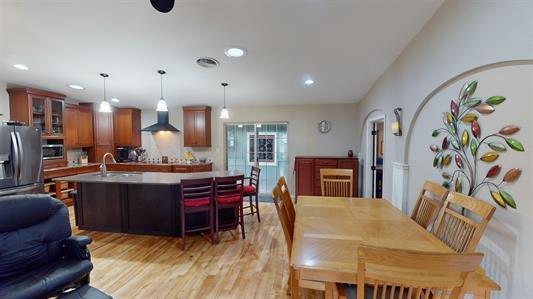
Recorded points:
(102, 133)
(307, 172)
(78, 122)
(127, 127)
(38, 108)
(197, 126)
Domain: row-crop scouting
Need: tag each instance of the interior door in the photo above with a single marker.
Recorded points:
(31, 154)
(373, 167)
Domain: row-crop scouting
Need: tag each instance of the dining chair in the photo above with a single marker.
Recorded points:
(430, 199)
(287, 226)
(336, 182)
(399, 273)
(252, 192)
(196, 196)
(286, 198)
(229, 195)
(462, 232)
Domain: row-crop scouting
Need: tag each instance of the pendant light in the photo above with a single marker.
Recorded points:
(161, 104)
(104, 104)
(224, 113)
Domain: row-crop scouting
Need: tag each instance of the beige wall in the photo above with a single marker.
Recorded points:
(4, 102)
(463, 35)
(304, 138)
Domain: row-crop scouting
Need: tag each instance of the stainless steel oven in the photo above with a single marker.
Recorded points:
(53, 151)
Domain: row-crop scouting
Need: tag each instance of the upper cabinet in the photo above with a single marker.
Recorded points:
(197, 126)
(78, 123)
(127, 127)
(39, 108)
(102, 133)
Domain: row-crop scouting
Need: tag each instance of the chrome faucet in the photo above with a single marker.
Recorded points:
(103, 167)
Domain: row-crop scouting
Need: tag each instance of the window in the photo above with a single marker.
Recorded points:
(266, 148)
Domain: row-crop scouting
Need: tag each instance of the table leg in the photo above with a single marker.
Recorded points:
(295, 288)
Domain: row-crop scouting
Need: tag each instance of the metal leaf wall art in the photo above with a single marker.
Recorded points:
(463, 140)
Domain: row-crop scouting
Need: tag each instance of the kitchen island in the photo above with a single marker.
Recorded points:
(135, 202)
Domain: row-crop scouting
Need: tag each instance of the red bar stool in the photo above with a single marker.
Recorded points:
(252, 191)
(196, 196)
(229, 194)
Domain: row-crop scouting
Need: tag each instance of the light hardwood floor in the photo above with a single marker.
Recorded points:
(133, 266)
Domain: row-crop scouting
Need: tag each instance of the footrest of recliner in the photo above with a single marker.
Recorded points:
(85, 292)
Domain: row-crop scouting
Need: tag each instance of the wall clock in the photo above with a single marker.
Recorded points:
(324, 126)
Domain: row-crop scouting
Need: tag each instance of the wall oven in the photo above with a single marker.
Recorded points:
(53, 151)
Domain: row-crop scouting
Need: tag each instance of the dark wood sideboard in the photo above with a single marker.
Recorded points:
(307, 172)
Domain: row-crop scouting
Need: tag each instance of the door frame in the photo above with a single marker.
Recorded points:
(382, 117)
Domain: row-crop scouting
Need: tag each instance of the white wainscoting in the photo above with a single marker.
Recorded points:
(400, 173)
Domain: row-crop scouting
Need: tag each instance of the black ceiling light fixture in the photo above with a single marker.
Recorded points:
(163, 6)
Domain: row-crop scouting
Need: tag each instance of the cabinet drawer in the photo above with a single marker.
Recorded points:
(176, 168)
(326, 162)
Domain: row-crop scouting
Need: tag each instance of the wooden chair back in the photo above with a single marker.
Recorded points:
(286, 224)
(286, 198)
(397, 273)
(254, 177)
(429, 202)
(336, 182)
(196, 189)
(459, 232)
(229, 185)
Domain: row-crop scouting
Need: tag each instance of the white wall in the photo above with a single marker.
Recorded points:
(462, 35)
(304, 138)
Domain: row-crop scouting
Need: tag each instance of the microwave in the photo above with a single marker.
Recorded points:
(53, 151)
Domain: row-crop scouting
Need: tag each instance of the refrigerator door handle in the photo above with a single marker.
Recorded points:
(16, 156)
(21, 151)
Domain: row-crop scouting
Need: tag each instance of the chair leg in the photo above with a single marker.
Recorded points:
(251, 205)
(182, 228)
(241, 215)
(211, 226)
(217, 239)
(257, 207)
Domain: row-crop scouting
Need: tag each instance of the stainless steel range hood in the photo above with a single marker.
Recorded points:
(162, 124)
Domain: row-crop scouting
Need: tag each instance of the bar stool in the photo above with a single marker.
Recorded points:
(196, 196)
(229, 194)
(252, 191)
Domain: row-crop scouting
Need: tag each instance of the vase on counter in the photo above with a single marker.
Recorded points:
(350, 154)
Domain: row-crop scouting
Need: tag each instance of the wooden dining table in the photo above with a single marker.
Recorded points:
(328, 231)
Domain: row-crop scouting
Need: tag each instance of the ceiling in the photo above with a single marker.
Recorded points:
(343, 45)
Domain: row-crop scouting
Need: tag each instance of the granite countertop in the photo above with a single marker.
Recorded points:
(162, 164)
(148, 178)
(71, 166)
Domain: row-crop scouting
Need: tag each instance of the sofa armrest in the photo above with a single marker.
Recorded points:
(76, 247)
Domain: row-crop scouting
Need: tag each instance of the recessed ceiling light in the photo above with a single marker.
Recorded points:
(235, 52)
(76, 86)
(309, 82)
(115, 100)
(22, 67)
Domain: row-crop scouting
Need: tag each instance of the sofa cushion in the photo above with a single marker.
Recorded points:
(44, 280)
(34, 237)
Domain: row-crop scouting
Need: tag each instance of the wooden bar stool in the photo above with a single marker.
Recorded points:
(196, 196)
(252, 192)
(229, 194)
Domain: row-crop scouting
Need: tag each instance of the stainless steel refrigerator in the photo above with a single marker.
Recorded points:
(21, 163)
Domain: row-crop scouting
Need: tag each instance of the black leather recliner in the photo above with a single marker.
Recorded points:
(39, 257)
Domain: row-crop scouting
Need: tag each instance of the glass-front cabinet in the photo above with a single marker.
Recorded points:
(38, 108)
(47, 114)
(56, 112)
(38, 112)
